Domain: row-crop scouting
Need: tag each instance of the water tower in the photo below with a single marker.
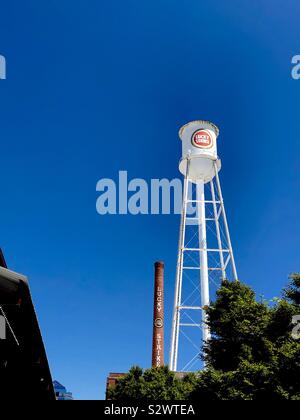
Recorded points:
(205, 253)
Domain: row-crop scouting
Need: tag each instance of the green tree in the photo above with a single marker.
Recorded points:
(286, 360)
(238, 326)
(153, 384)
(131, 386)
(292, 292)
(252, 354)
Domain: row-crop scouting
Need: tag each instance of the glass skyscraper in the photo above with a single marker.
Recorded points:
(61, 392)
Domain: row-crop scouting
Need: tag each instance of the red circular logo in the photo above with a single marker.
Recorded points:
(158, 323)
(202, 139)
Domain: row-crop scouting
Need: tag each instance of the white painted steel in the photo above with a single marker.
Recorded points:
(177, 300)
(199, 166)
(218, 229)
(226, 224)
(202, 156)
(203, 257)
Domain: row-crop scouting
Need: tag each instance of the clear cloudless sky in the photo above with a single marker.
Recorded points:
(94, 87)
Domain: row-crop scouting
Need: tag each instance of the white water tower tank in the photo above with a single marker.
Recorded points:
(199, 143)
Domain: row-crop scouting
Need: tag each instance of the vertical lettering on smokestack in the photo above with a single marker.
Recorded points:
(158, 317)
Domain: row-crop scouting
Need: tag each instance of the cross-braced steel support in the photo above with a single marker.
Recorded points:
(210, 218)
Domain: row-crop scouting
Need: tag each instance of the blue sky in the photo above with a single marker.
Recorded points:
(101, 86)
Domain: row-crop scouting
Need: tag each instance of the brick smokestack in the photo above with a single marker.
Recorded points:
(158, 316)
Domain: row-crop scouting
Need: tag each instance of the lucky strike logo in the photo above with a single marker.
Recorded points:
(202, 139)
(158, 323)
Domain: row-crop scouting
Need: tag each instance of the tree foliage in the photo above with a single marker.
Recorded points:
(251, 355)
(153, 384)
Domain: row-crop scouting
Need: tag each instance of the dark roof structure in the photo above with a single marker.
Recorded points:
(24, 369)
(2, 260)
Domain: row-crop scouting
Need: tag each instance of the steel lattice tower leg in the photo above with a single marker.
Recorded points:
(223, 250)
(204, 284)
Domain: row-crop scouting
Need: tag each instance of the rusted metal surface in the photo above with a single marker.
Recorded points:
(158, 316)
